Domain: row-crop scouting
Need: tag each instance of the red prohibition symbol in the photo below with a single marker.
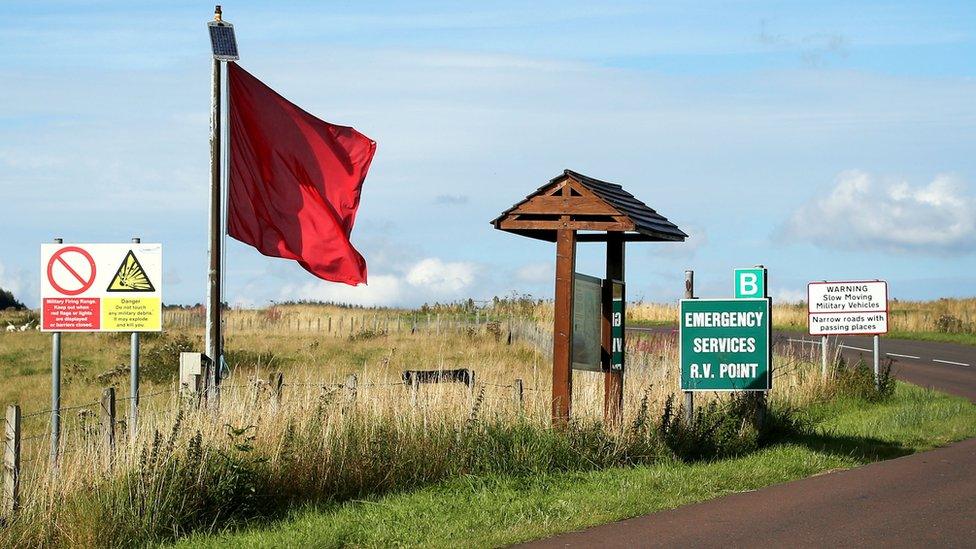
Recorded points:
(83, 282)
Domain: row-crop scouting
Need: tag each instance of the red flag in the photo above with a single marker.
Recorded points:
(295, 181)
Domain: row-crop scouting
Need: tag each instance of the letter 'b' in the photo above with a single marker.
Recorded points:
(747, 284)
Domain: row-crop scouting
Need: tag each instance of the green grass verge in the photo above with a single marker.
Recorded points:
(500, 510)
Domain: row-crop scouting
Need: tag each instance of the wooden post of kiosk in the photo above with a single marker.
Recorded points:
(575, 208)
(562, 334)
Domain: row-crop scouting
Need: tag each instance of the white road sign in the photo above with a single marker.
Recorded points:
(848, 307)
(101, 287)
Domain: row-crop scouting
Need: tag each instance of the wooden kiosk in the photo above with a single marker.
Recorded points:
(573, 208)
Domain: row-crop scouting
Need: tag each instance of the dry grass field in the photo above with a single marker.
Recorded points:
(323, 439)
(316, 348)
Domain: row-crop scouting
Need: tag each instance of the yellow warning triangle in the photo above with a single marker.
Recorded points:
(131, 277)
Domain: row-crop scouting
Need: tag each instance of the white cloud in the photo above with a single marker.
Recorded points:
(440, 278)
(864, 212)
(381, 290)
(426, 280)
(536, 273)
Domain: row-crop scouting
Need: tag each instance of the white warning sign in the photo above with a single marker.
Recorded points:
(101, 287)
(858, 307)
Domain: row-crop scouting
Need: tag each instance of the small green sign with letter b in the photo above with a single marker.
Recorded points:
(750, 283)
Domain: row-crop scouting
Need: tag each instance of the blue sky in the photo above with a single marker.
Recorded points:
(829, 141)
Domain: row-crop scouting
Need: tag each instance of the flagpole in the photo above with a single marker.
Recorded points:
(215, 252)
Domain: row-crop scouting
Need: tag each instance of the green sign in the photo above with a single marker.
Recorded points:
(617, 315)
(725, 345)
(587, 322)
(750, 283)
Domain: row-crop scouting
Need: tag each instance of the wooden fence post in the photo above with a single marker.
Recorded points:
(107, 425)
(352, 385)
(519, 394)
(11, 461)
(275, 381)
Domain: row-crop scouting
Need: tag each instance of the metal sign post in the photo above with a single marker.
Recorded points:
(823, 357)
(877, 360)
(212, 336)
(689, 395)
(224, 48)
(134, 377)
(55, 391)
(754, 283)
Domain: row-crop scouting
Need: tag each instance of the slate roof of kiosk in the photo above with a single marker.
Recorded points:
(595, 208)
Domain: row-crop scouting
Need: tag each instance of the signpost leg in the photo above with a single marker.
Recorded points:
(213, 341)
(761, 397)
(613, 384)
(877, 360)
(562, 337)
(134, 379)
(823, 357)
(689, 406)
(55, 391)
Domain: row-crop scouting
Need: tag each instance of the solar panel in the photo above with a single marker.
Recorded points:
(222, 41)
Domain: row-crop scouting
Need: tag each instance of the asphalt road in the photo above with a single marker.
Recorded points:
(926, 499)
(948, 367)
